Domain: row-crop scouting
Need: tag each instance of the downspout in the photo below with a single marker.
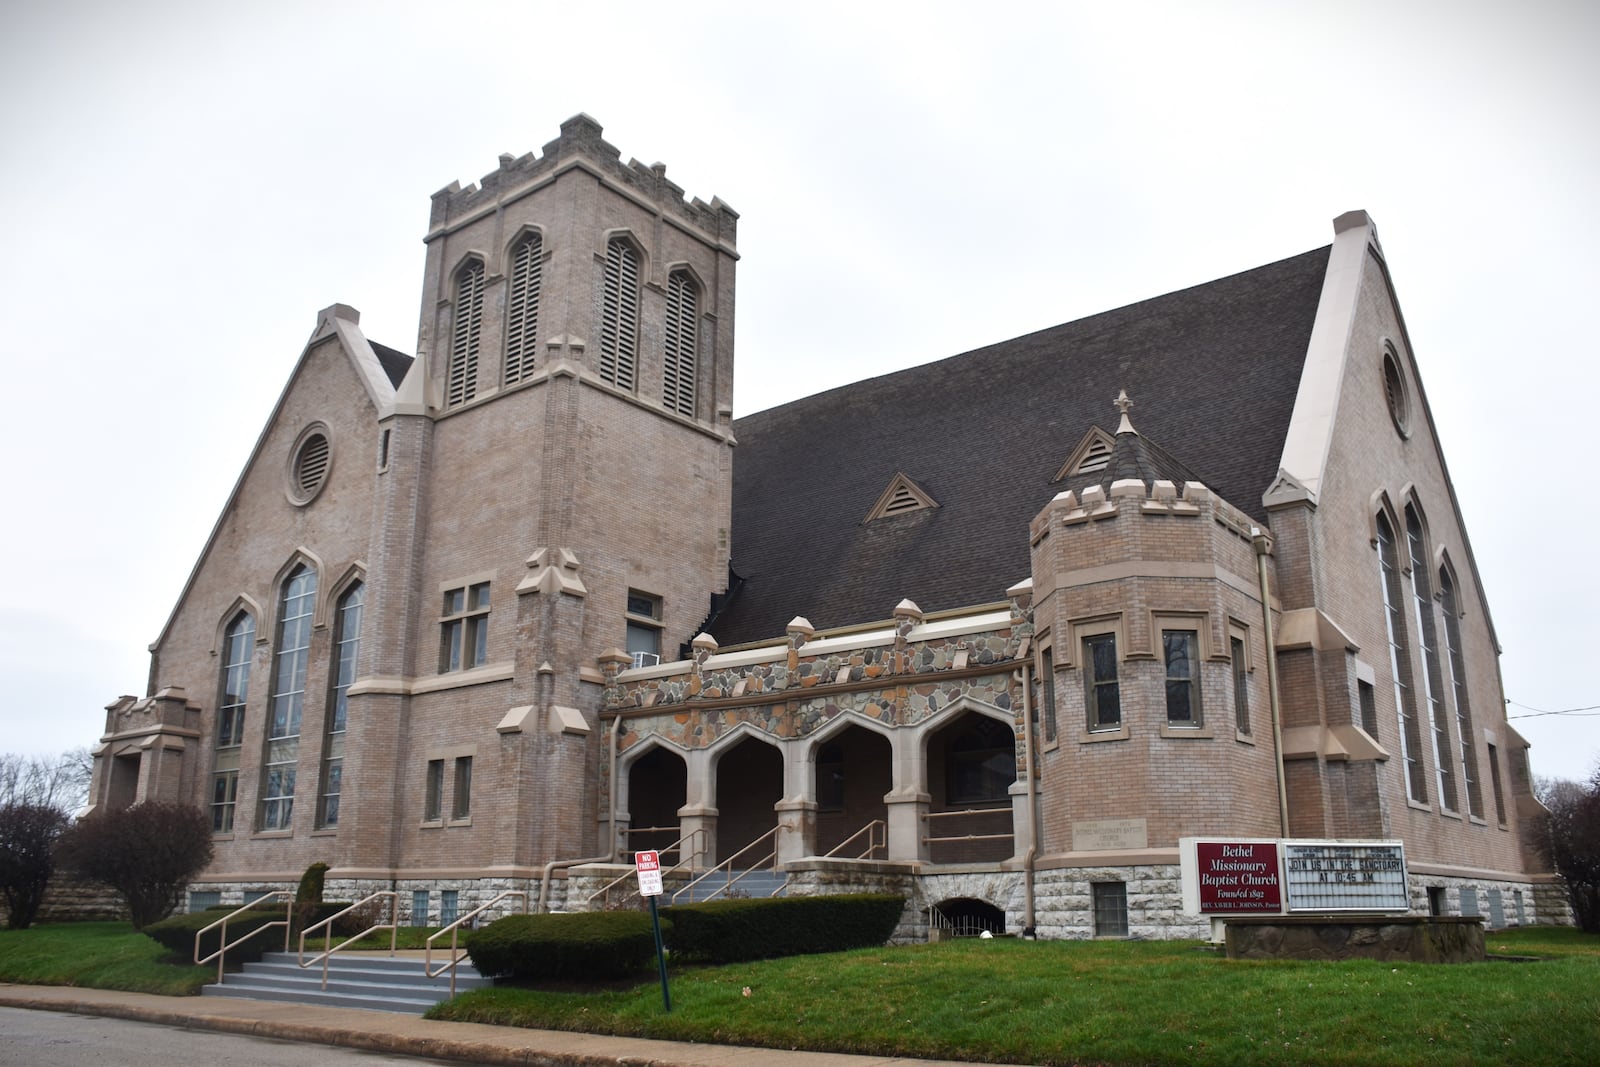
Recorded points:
(1262, 546)
(1033, 820)
(606, 857)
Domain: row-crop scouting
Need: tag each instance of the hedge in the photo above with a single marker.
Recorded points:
(580, 946)
(177, 934)
(728, 931)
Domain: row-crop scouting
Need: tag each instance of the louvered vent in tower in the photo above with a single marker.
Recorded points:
(522, 314)
(619, 314)
(467, 327)
(678, 363)
(1092, 455)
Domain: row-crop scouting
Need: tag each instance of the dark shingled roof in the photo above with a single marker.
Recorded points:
(395, 363)
(1212, 371)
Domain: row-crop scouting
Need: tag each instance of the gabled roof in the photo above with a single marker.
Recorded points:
(394, 362)
(1214, 370)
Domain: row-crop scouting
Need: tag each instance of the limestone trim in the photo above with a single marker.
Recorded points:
(1141, 568)
(1120, 858)
(402, 686)
(1312, 628)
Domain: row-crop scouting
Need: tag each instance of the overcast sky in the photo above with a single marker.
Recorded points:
(186, 183)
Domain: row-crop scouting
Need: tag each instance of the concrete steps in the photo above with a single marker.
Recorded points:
(378, 983)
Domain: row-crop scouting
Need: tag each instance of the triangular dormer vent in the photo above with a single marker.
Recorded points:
(1092, 455)
(903, 495)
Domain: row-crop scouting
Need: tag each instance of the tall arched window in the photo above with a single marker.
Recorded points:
(522, 308)
(678, 362)
(466, 330)
(1400, 661)
(290, 659)
(346, 647)
(1433, 674)
(619, 314)
(238, 645)
(1458, 676)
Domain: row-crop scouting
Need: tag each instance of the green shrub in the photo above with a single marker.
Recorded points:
(308, 897)
(727, 931)
(582, 946)
(177, 934)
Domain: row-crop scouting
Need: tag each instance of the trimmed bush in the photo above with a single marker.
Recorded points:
(728, 931)
(582, 946)
(177, 934)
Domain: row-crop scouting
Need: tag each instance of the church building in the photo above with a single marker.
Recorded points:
(997, 632)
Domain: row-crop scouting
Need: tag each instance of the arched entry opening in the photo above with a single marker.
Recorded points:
(658, 785)
(124, 789)
(967, 917)
(972, 763)
(749, 784)
(854, 772)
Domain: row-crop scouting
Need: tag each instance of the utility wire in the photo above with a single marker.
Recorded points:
(1534, 713)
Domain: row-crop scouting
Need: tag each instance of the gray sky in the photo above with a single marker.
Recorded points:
(187, 183)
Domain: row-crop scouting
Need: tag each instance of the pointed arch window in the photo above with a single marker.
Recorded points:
(290, 659)
(678, 362)
(238, 646)
(346, 647)
(1433, 674)
(465, 335)
(1400, 661)
(522, 310)
(619, 314)
(1458, 677)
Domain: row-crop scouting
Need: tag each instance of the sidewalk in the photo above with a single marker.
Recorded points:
(408, 1035)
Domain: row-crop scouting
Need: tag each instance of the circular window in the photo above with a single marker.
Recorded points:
(309, 464)
(1394, 392)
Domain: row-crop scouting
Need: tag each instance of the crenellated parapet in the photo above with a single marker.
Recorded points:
(580, 144)
(897, 674)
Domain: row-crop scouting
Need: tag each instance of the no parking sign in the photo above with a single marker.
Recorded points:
(648, 865)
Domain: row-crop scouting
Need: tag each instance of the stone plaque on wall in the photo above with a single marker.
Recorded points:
(1106, 835)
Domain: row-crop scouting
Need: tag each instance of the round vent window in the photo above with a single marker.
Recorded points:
(308, 468)
(1394, 391)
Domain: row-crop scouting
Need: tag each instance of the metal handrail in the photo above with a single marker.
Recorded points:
(222, 948)
(605, 890)
(453, 928)
(930, 816)
(392, 926)
(873, 841)
(727, 866)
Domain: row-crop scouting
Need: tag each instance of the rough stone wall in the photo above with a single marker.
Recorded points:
(69, 900)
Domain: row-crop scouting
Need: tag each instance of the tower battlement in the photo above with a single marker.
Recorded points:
(580, 144)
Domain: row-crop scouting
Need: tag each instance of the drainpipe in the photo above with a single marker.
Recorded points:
(1033, 820)
(1262, 546)
(606, 857)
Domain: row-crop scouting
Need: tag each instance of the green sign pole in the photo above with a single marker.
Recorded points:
(661, 955)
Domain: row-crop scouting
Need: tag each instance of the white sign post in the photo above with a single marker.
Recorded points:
(647, 865)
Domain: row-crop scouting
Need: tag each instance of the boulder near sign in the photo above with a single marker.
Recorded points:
(1236, 877)
(648, 866)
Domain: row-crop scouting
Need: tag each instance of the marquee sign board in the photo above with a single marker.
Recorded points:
(1345, 875)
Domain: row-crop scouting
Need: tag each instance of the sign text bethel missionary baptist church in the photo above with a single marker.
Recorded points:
(1238, 877)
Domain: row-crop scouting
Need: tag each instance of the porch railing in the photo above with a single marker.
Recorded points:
(223, 945)
(767, 862)
(322, 957)
(456, 956)
(933, 839)
(877, 834)
(680, 848)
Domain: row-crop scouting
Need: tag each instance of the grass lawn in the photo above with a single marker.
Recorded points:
(98, 956)
(1109, 1003)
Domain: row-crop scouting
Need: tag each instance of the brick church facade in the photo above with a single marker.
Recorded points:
(996, 631)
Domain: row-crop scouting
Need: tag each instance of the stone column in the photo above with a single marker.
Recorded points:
(699, 811)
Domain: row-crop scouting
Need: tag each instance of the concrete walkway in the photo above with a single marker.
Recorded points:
(410, 1036)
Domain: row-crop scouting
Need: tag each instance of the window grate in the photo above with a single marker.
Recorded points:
(464, 342)
(522, 317)
(619, 315)
(678, 366)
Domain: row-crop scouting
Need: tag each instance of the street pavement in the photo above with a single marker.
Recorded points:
(407, 1035)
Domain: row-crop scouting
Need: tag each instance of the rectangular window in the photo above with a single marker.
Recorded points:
(435, 792)
(464, 628)
(1494, 783)
(1400, 663)
(1100, 680)
(419, 907)
(346, 649)
(224, 794)
(1181, 650)
(1497, 910)
(1436, 904)
(1432, 674)
(1368, 698)
(1241, 686)
(1110, 908)
(201, 899)
(461, 800)
(644, 628)
(1516, 904)
(447, 906)
(1469, 902)
(1047, 693)
(277, 787)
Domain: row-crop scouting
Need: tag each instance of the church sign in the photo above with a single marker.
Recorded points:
(1238, 877)
(1345, 876)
